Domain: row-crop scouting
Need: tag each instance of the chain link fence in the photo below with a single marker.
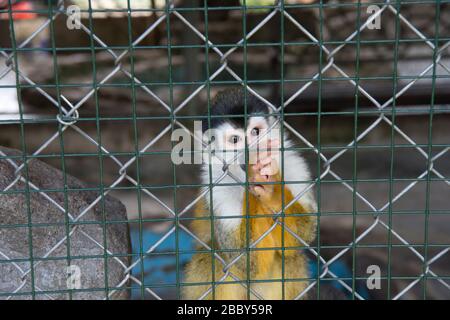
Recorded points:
(316, 32)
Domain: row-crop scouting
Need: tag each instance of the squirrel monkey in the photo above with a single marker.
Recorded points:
(242, 216)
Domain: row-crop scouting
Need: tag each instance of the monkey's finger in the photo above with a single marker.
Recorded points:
(256, 167)
(269, 170)
(274, 143)
(261, 173)
(271, 151)
(263, 154)
(275, 153)
(266, 161)
(262, 163)
(271, 162)
(258, 177)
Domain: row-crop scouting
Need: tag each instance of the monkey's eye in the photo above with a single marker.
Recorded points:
(255, 132)
(234, 139)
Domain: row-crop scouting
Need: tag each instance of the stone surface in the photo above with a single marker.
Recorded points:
(47, 235)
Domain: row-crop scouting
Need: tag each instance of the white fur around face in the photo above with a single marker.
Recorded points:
(296, 170)
(227, 200)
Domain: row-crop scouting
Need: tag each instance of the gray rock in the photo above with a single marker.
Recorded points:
(33, 231)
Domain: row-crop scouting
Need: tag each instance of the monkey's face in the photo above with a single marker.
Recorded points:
(229, 140)
(233, 137)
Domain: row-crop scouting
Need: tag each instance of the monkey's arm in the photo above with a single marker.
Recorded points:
(298, 218)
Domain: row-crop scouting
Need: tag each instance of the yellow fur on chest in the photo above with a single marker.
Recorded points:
(258, 224)
(256, 227)
(266, 261)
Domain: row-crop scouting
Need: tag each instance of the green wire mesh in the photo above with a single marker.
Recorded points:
(362, 88)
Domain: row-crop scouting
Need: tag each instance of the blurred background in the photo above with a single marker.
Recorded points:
(173, 62)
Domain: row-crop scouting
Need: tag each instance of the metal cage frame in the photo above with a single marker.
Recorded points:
(68, 118)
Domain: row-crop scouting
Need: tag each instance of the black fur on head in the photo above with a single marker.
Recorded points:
(231, 102)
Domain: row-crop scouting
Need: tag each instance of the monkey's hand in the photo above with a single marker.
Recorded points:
(265, 170)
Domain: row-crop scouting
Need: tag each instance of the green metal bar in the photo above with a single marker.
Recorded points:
(430, 151)
(136, 148)
(247, 193)
(355, 149)
(391, 169)
(173, 126)
(24, 151)
(209, 117)
(319, 146)
(100, 153)
(249, 7)
(283, 213)
(61, 129)
(356, 117)
(230, 250)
